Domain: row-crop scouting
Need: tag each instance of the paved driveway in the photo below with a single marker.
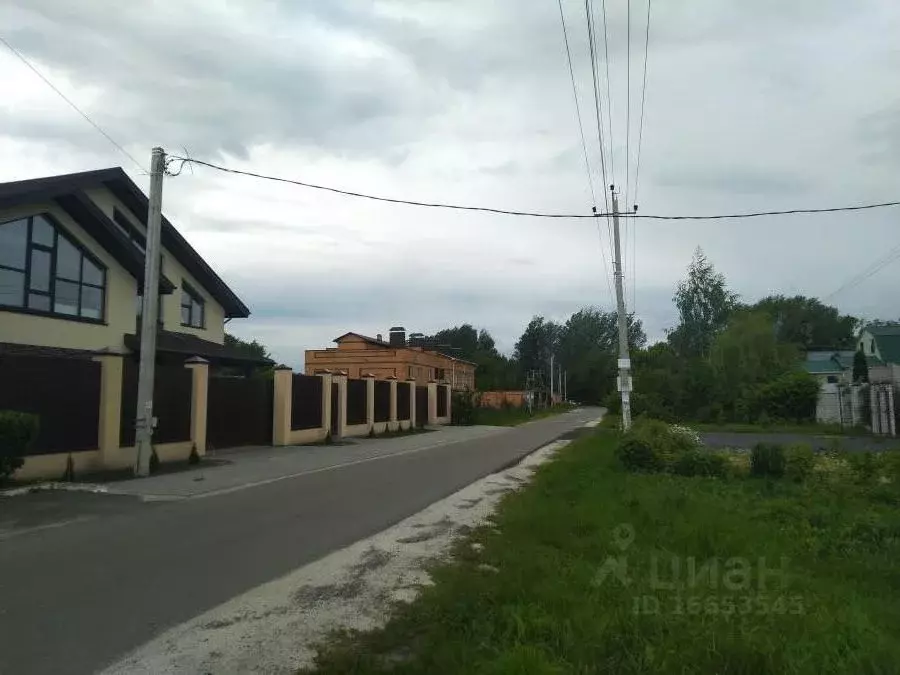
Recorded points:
(74, 598)
(723, 439)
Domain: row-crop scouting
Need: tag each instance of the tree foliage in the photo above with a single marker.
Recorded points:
(860, 367)
(808, 323)
(252, 348)
(704, 305)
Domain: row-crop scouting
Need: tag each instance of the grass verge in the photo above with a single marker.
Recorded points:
(534, 599)
(812, 429)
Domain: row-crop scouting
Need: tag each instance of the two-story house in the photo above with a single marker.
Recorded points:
(72, 270)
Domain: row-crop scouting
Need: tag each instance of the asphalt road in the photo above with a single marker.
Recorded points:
(74, 598)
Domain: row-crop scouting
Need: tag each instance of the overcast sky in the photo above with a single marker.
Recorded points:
(750, 106)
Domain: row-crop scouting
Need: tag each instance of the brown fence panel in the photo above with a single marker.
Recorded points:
(442, 396)
(382, 401)
(171, 403)
(356, 401)
(63, 392)
(306, 402)
(403, 389)
(421, 405)
(239, 411)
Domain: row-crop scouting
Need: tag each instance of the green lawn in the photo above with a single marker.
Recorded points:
(544, 606)
(510, 417)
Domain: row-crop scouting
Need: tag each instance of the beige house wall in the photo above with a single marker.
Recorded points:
(170, 309)
(119, 312)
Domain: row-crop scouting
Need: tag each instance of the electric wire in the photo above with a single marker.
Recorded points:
(532, 214)
(637, 164)
(65, 98)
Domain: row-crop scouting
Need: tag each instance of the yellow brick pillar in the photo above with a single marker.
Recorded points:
(370, 399)
(326, 398)
(110, 422)
(411, 383)
(281, 415)
(392, 417)
(432, 402)
(341, 380)
(199, 368)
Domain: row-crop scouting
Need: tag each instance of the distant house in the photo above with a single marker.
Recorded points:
(72, 270)
(881, 345)
(358, 355)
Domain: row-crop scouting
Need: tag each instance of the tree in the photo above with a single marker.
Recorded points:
(860, 367)
(536, 344)
(808, 323)
(493, 370)
(587, 347)
(746, 355)
(704, 306)
(253, 348)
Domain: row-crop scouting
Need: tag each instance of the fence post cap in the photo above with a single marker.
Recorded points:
(432, 381)
(195, 359)
(410, 379)
(372, 375)
(281, 366)
(323, 371)
(391, 377)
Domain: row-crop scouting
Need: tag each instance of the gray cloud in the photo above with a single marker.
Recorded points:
(750, 106)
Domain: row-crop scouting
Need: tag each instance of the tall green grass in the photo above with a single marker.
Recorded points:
(829, 602)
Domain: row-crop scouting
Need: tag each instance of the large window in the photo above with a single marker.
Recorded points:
(192, 313)
(43, 270)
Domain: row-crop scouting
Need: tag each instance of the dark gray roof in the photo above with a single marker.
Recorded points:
(67, 190)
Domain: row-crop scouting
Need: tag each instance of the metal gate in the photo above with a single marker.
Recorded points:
(239, 412)
(421, 406)
(335, 407)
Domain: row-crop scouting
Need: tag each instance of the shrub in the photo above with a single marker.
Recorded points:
(154, 461)
(799, 461)
(767, 459)
(638, 454)
(463, 408)
(17, 432)
(792, 396)
(194, 457)
(700, 463)
(651, 445)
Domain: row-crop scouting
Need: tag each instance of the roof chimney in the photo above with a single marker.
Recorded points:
(397, 336)
(379, 338)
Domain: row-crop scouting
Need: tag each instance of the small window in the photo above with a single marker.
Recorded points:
(192, 310)
(872, 346)
(832, 379)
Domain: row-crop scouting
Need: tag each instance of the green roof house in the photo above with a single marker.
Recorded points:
(881, 345)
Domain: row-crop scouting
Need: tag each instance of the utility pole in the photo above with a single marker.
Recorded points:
(144, 420)
(551, 379)
(566, 385)
(624, 379)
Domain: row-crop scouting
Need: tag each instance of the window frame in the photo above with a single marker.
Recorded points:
(193, 296)
(51, 292)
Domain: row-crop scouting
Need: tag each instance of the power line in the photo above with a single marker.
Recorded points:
(637, 166)
(69, 101)
(534, 214)
(591, 45)
(870, 271)
(627, 107)
(587, 164)
(612, 156)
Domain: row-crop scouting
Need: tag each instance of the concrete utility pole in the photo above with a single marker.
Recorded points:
(624, 379)
(551, 379)
(144, 420)
(566, 385)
